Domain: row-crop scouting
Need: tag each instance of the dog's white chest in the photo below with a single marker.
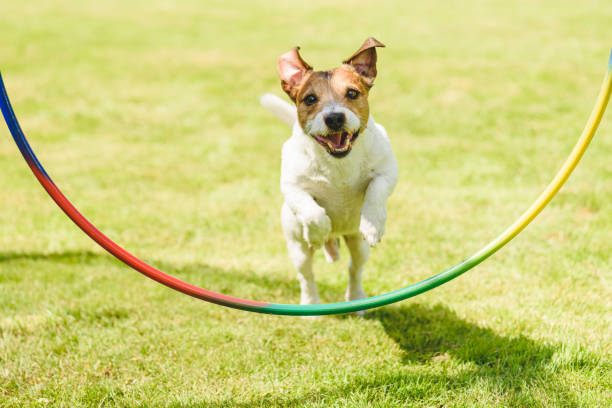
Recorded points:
(336, 184)
(340, 190)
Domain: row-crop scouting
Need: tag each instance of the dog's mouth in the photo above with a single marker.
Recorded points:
(338, 144)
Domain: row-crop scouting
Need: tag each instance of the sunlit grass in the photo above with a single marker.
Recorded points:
(146, 115)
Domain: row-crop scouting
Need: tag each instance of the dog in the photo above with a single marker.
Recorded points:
(337, 168)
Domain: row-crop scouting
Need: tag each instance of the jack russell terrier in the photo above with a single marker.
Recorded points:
(337, 167)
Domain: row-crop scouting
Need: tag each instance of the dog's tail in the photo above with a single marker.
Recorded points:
(283, 110)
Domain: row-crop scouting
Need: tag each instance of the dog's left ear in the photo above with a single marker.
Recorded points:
(364, 60)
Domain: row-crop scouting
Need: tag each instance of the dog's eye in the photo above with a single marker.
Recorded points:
(310, 100)
(352, 94)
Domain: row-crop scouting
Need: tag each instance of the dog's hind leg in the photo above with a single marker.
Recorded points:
(331, 250)
(360, 251)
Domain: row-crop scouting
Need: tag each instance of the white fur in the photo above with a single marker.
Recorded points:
(328, 197)
(317, 125)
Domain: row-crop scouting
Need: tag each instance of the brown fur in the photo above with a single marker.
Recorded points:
(364, 60)
(291, 69)
(357, 72)
(331, 86)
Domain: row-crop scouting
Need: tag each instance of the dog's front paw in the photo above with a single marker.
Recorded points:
(317, 227)
(372, 227)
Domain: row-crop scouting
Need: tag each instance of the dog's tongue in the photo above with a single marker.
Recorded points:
(335, 138)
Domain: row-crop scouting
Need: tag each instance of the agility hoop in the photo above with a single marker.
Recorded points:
(321, 309)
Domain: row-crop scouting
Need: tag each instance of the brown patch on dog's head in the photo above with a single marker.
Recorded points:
(344, 87)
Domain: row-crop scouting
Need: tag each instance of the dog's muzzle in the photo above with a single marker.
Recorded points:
(338, 144)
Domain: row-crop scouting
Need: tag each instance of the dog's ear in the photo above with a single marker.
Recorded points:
(364, 60)
(291, 70)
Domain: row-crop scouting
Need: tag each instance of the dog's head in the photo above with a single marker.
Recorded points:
(332, 105)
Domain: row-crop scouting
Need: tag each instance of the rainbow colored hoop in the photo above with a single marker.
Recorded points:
(307, 310)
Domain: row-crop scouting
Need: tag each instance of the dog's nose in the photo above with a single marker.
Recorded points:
(335, 120)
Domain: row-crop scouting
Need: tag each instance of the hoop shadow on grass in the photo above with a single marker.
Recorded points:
(197, 273)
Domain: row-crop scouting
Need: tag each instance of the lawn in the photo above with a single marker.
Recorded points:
(146, 115)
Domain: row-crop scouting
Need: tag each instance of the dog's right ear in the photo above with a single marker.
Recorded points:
(291, 70)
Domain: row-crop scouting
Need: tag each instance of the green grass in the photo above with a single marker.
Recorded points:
(146, 114)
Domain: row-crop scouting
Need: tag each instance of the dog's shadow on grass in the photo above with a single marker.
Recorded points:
(435, 332)
(455, 354)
